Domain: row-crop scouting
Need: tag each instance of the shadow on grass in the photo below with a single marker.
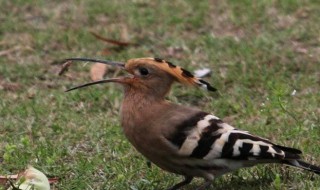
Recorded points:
(237, 184)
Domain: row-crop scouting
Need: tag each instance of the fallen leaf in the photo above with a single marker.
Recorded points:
(97, 71)
(5, 179)
(115, 42)
(65, 67)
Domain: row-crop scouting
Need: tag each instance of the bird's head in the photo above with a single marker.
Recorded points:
(148, 75)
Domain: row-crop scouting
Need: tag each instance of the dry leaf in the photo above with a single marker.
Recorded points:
(97, 71)
(65, 67)
(115, 42)
(5, 179)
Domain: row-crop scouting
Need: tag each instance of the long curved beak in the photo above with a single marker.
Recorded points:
(117, 80)
(107, 62)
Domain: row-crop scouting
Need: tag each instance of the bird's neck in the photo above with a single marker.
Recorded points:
(136, 107)
(138, 111)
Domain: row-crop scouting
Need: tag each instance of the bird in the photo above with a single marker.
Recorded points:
(180, 139)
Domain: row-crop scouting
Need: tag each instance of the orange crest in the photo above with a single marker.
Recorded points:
(181, 75)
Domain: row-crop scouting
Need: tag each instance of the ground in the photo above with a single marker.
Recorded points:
(265, 62)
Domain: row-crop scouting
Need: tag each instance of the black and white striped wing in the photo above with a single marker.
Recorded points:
(207, 137)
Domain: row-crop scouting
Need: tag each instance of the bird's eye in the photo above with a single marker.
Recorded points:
(143, 71)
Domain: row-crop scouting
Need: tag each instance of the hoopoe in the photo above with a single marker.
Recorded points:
(185, 140)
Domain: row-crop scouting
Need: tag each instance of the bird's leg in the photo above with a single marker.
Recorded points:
(186, 181)
(205, 185)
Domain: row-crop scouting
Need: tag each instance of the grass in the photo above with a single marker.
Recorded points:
(260, 53)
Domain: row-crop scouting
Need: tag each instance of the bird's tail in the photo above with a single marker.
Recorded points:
(303, 165)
